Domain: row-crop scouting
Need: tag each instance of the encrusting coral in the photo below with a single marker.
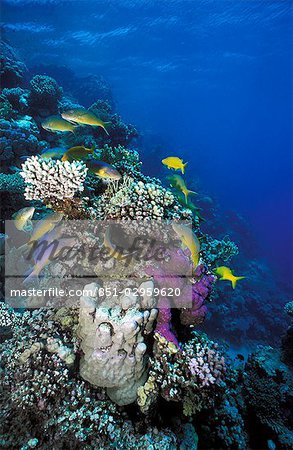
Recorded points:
(194, 371)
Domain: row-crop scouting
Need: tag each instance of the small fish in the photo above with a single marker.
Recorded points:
(54, 153)
(178, 183)
(84, 117)
(173, 162)
(44, 226)
(49, 248)
(22, 218)
(240, 357)
(189, 239)
(102, 169)
(56, 123)
(226, 274)
(77, 153)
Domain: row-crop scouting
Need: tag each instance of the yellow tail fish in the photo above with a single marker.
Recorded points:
(178, 183)
(77, 153)
(22, 218)
(226, 274)
(173, 162)
(189, 239)
(56, 123)
(84, 117)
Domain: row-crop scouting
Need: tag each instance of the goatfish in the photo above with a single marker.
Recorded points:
(189, 240)
(84, 117)
(54, 153)
(173, 162)
(22, 218)
(102, 169)
(77, 153)
(226, 274)
(56, 123)
(178, 183)
(49, 153)
(44, 226)
(49, 248)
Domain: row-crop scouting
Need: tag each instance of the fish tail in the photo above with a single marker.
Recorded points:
(234, 281)
(191, 192)
(31, 276)
(183, 167)
(105, 129)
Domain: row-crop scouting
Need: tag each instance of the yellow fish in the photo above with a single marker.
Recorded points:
(45, 225)
(226, 274)
(22, 218)
(52, 242)
(77, 153)
(56, 123)
(84, 117)
(178, 183)
(56, 152)
(189, 239)
(102, 169)
(173, 162)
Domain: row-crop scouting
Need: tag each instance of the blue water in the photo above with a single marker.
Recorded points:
(210, 80)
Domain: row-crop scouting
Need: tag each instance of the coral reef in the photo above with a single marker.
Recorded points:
(52, 179)
(18, 99)
(11, 183)
(19, 138)
(12, 70)
(190, 375)
(129, 371)
(113, 345)
(268, 394)
(44, 95)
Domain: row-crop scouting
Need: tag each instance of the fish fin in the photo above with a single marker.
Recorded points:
(105, 129)
(28, 228)
(234, 281)
(183, 167)
(64, 157)
(31, 275)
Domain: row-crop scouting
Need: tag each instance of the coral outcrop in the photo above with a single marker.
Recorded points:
(12, 70)
(44, 95)
(112, 341)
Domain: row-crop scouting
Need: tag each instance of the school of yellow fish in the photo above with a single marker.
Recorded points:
(185, 233)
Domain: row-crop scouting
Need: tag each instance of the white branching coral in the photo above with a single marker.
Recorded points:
(52, 179)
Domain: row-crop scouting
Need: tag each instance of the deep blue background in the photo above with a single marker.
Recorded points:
(211, 78)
